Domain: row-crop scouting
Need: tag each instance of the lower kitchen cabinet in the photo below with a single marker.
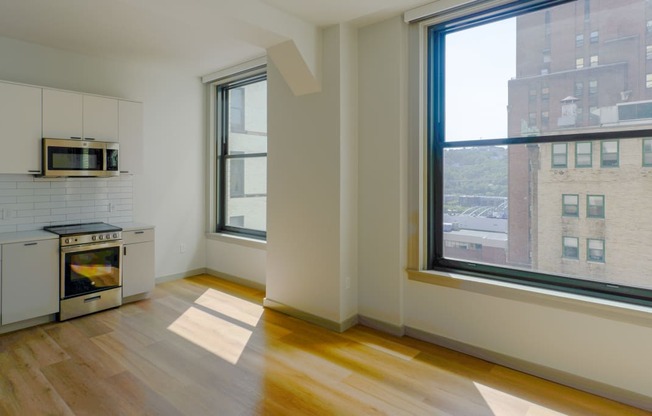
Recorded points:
(30, 280)
(137, 262)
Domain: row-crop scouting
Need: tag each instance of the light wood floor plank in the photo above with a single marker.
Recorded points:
(205, 346)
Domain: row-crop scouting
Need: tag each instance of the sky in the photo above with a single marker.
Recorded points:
(479, 62)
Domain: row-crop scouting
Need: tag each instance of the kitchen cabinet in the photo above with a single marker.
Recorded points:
(130, 134)
(70, 115)
(20, 128)
(137, 262)
(30, 288)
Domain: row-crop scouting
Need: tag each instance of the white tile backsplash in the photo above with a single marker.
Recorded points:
(28, 203)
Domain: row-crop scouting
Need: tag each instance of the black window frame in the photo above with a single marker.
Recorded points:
(436, 145)
(223, 155)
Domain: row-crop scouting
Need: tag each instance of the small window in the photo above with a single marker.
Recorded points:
(594, 60)
(570, 205)
(595, 250)
(579, 89)
(579, 40)
(583, 157)
(595, 206)
(647, 152)
(593, 86)
(533, 94)
(648, 81)
(594, 37)
(609, 154)
(545, 119)
(559, 155)
(571, 248)
(579, 63)
(649, 26)
(546, 56)
(545, 93)
(532, 119)
(648, 52)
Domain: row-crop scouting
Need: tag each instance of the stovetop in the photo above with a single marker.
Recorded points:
(79, 229)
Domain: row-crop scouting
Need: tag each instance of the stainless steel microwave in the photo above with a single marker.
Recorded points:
(80, 158)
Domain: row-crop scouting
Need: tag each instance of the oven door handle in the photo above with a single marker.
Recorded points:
(91, 246)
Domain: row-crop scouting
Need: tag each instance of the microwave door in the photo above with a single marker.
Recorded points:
(71, 158)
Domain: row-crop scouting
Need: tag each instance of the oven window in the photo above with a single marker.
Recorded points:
(91, 270)
(66, 158)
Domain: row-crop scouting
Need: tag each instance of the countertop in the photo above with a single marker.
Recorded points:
(25, 236)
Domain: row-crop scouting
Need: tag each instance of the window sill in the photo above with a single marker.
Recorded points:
(239, 240)
(620, 311)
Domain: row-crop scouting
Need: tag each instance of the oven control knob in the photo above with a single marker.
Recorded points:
(94, 238)
(108, 236)
(101, 237)
(115, 235)
(67, 240)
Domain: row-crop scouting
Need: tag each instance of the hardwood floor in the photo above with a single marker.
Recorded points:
(203, 346)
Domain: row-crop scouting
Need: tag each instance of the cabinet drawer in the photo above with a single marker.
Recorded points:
(137, 236)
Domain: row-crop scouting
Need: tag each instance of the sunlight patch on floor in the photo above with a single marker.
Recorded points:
(219, 333)
(504, 404)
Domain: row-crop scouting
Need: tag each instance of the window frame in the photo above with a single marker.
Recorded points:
(564, 205)
(220, 112)
(435, 146)
(643, 152)
(588, 251)
(552, 156)
(588, 206)
(563, 248)
(590, 153)
(602, 153)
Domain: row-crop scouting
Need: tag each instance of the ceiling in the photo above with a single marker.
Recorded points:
(200, 36)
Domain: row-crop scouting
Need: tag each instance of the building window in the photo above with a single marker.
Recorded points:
(241, 142)
(609, 154)
(546, 56)
(594, 37)
(559, 155)
(648, 26)
(579, 63)
(521, 166)
(583, 155)
(595, 206)
(570, 205)
(545, 93)
(533, 94)
(595, 250)
(648, 80)
(648, 52)
(579, 40)
(647, 152)
(594, 60)
(571, 248)
(593, 86)
(545, 118)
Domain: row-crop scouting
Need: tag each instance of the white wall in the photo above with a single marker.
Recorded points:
(613, 351)
(242, 260)
(170, 194)
(306, 199)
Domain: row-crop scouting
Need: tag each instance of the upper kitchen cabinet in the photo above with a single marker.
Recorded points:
(62, 114)
(130, 133)
(20, 128)
(100, 118)
(70, 115)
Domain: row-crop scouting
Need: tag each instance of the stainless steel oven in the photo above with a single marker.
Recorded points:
(90, 268)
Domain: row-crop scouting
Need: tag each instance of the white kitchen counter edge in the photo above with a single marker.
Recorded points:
(25, 236)
(131, 226)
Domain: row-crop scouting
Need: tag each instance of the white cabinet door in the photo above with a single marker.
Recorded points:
(100, 118)
(130, 117)
(20, 129)
(137, 268)
(62, 114)
(30, 280)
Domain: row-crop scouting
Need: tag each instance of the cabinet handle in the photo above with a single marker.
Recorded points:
(139, 232)
(75, 138)
(34, 171)
(124, 250)
(30, 244)
(89, 138)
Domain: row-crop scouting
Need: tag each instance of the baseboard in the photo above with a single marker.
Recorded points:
(177, 276)
(308, 317)
(580, 383)
(395, 330)
(236, 279)
(136, 298)
(28, 323)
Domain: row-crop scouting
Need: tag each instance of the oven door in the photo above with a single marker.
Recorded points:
(89, 268)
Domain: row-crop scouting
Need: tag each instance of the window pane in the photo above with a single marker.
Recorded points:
(247, 192)
(248, 118)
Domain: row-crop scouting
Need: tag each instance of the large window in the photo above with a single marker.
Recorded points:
(496, 171)
(241, 143)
